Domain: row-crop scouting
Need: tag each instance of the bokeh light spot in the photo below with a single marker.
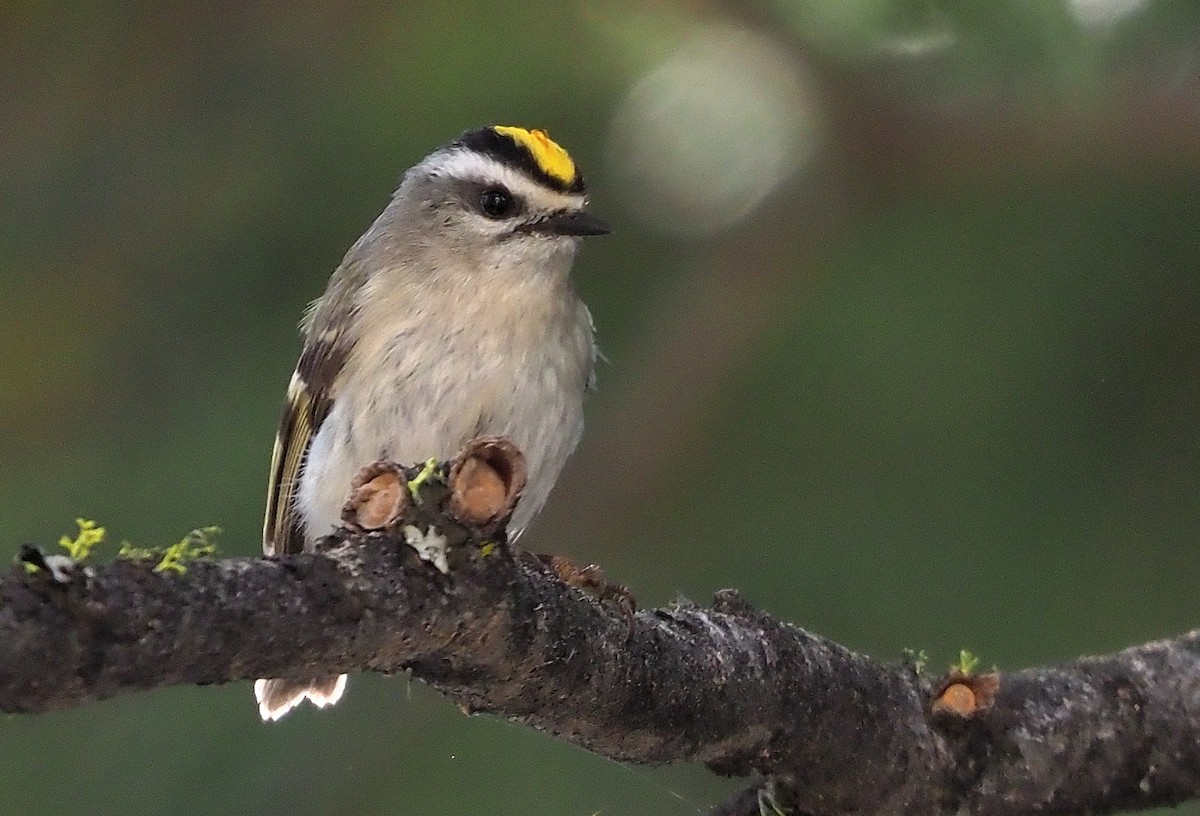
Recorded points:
(705, 136)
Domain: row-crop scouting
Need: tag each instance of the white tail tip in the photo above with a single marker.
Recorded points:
(277, 697)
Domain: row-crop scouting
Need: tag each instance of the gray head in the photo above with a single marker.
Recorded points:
(496, 198)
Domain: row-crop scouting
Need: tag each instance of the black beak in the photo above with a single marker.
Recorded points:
(572, 222)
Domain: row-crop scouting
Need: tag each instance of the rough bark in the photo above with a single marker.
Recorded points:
(822, 730)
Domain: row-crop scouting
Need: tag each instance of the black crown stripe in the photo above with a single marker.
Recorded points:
(508, 152)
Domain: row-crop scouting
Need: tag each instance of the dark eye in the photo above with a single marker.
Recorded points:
(496, 202)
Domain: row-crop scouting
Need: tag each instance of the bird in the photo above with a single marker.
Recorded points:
(453, 316)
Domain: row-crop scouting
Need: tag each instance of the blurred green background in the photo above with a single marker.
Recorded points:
(900, 312)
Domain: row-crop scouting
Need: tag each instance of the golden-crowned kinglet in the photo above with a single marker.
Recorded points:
(452, 316)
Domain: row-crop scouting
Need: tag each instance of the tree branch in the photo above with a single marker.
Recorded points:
(825, 730)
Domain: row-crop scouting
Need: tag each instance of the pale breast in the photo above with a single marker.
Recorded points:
(422, 393)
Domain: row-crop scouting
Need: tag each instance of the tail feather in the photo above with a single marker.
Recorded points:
(277, 697)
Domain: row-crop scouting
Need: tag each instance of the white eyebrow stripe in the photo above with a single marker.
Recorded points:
(471, 166)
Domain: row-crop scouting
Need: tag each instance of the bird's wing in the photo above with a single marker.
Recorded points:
(309, 401)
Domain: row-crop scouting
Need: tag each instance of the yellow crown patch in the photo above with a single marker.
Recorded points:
(549, 155)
